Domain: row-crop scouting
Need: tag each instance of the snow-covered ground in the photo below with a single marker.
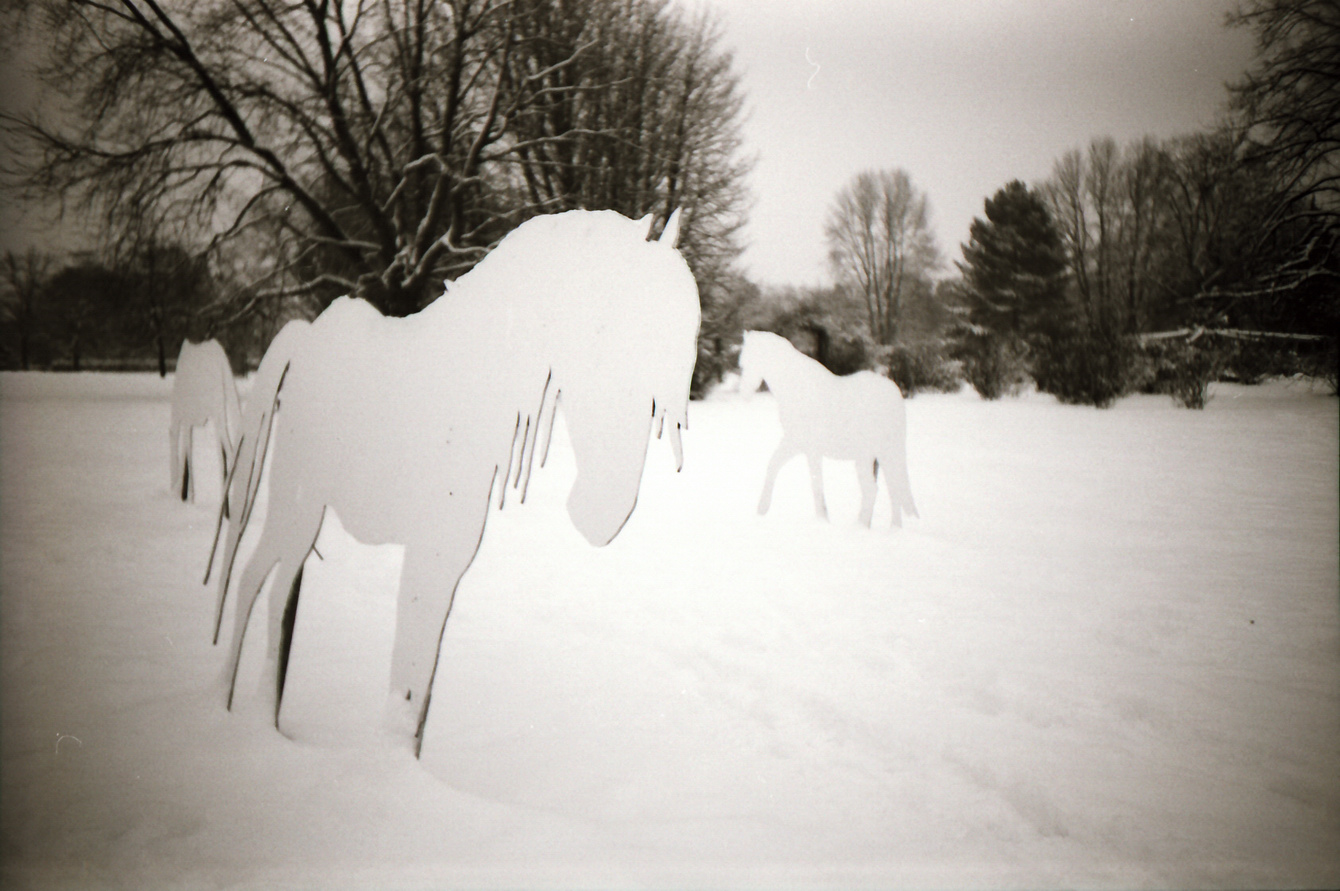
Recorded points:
(1107, 654)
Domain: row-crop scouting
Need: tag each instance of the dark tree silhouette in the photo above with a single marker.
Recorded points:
(376, 147)
(1289, 102)
(1014, 265)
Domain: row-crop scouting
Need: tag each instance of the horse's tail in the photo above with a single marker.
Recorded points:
(908, 505)
(232, 411)
(898, 476)
(244, 477)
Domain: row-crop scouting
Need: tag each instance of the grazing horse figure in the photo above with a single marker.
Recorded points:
(407, 427)
(203, 391)
(858, 417)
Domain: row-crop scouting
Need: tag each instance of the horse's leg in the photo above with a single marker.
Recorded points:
(867, 472)
(428, 580)
(188, 478)
(816, 463)
(897, 482)
(284, 544)
(223, 477)
(283, 619)
(243, 492)
(174, 446)
(785, 452)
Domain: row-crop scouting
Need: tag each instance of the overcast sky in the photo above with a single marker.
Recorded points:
(963, 94)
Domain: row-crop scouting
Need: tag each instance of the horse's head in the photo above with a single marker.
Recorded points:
(609, 435)
(634, 344)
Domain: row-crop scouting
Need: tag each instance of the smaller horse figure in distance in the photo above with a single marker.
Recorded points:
(409, 427)
(858, 417)
(203, 392)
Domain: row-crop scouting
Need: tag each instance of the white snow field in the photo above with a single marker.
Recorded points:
(1106, 655)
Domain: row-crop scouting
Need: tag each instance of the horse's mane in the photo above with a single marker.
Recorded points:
(779, 361)
(527, 434)
(556, 282)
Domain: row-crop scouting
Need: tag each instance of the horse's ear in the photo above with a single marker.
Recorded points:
(670, 234)
(647, 222)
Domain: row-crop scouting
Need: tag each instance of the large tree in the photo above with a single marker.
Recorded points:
(1014, 264)
(1289, 103)
(1213, 205)
(1291, 97)
(379, 146)
(881, 245)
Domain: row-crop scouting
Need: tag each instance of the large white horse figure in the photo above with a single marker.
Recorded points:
(203, 391)
(407, 426)
(858, 417)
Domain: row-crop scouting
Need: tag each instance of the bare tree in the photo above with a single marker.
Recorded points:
(170, 286)
(1213, 205)
(1291, 99)
(880, 243)
(1289, 103)
(1140, 227)
(1109, 207)
(1065, 193)
(372, 145)
(661, 133)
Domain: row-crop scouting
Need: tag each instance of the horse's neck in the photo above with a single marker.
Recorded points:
(503, 333)
(793, 370)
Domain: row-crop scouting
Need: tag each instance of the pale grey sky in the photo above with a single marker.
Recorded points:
(963, 94)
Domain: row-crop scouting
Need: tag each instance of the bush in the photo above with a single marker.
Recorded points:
(921, 365)
(994, 365)
(1194, 366)
(1252, 360)
(1086, 368)
(1323, 363)
(1178, 368)
(816, 324)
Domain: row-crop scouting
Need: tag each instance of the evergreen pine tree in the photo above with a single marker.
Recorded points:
(1014, 267)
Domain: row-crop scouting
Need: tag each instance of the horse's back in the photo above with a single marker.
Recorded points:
(848, 417)
(199, 384)
(878, 399)
(873, 389)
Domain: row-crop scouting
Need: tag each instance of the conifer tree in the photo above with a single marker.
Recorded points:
(1014, 266)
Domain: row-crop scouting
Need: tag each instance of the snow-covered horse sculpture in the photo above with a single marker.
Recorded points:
(203, 391)
(407, 427)
(858, 417)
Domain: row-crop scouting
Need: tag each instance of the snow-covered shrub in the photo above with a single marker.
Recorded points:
(1323, 363)
(1182, 369)
(917, 365)
(817, 326)
(994, 365)
(1085, 368)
